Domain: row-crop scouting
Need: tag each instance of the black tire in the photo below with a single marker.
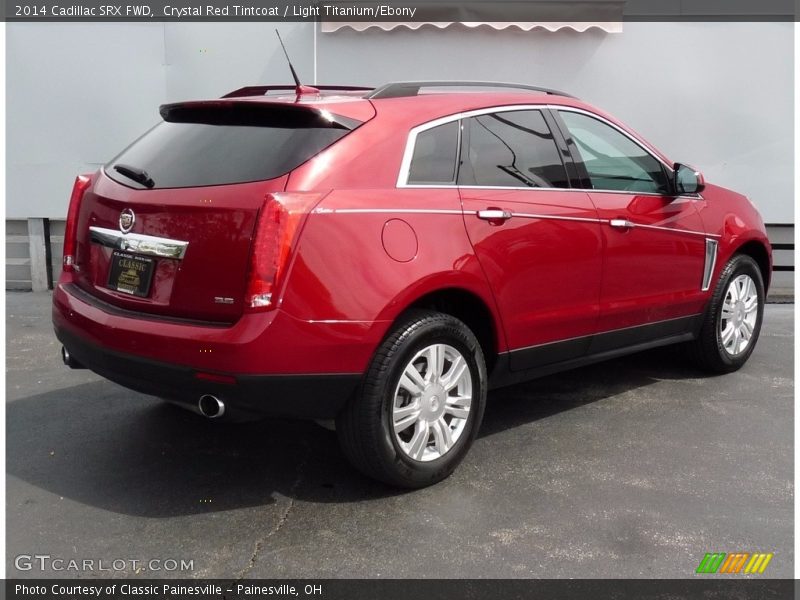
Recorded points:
(364, 427)
(708, 350)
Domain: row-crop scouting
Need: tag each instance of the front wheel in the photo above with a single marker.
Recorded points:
(420, 406)
(733, 320)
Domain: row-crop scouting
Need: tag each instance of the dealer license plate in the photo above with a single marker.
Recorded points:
(131, 273)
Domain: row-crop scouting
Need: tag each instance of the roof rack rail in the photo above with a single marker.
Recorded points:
(260, 90)
(403, 89)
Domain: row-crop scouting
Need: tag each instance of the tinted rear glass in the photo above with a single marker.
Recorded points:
(211, 146)
(435, 155)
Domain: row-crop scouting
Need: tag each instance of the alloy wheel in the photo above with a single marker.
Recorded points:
(739, 315)
(431, 402)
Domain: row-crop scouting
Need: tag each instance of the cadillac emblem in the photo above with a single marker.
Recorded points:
(126, 220)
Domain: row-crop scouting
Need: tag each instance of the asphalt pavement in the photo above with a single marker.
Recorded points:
(631, 468)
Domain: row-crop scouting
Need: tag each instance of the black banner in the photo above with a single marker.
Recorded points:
(401, 10)
(396, 589)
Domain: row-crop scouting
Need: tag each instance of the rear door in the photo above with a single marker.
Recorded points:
(655, 243)
(538, 241)
(167, 226)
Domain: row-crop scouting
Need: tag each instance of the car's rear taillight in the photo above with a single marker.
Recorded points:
(278, 223)
(82, 183)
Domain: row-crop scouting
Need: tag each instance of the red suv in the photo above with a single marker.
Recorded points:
(383, 257)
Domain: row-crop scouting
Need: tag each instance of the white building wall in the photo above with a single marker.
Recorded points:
(716, 95)
(78, 93)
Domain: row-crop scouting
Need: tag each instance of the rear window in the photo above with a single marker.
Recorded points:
(435, 155)
(205, 144)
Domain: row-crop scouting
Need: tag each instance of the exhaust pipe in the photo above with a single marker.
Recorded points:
(210, 406)
(69, 360)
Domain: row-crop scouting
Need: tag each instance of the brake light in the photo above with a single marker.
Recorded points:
(278, 223)
(82, 183)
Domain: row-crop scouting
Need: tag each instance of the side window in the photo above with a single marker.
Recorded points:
(512, 149)
(613, 160)
(435, 155)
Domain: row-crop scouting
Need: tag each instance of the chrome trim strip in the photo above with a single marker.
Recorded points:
(556, 217)
(711, 262)
(674, 230)
(435, 211)
(139, 243)
(415, 211)
(611, 222)
(521, 215)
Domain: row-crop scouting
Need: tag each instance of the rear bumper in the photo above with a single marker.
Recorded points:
(272, 342)
(270, 363)
(302, 396)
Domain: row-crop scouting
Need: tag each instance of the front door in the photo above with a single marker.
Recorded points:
(655, 243)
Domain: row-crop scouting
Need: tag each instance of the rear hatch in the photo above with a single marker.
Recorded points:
(167, 226)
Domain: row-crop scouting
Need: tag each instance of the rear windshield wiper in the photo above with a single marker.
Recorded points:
(136, 174)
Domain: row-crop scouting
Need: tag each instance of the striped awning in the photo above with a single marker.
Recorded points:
(607, 26)
(550, 15)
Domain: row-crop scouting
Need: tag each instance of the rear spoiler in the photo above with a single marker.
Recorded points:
(261, 90)
(255, 114)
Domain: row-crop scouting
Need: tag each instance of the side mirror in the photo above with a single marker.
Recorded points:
(688, 180)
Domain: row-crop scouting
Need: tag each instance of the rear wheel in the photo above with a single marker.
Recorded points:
(421, 403)
(733, 321)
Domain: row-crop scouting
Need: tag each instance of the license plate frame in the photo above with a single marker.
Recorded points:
(130, 273)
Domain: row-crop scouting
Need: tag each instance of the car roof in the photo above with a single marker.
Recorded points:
(420, 102)
(425, 106)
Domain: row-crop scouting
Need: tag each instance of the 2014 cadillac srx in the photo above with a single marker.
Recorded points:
(383, 257)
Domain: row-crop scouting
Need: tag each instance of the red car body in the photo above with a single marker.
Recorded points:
(550, 284)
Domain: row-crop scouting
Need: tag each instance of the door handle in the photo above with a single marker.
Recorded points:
(494, 214)
(621, 224)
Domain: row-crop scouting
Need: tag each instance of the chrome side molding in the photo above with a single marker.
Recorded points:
(710, 263)
(136, 242)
